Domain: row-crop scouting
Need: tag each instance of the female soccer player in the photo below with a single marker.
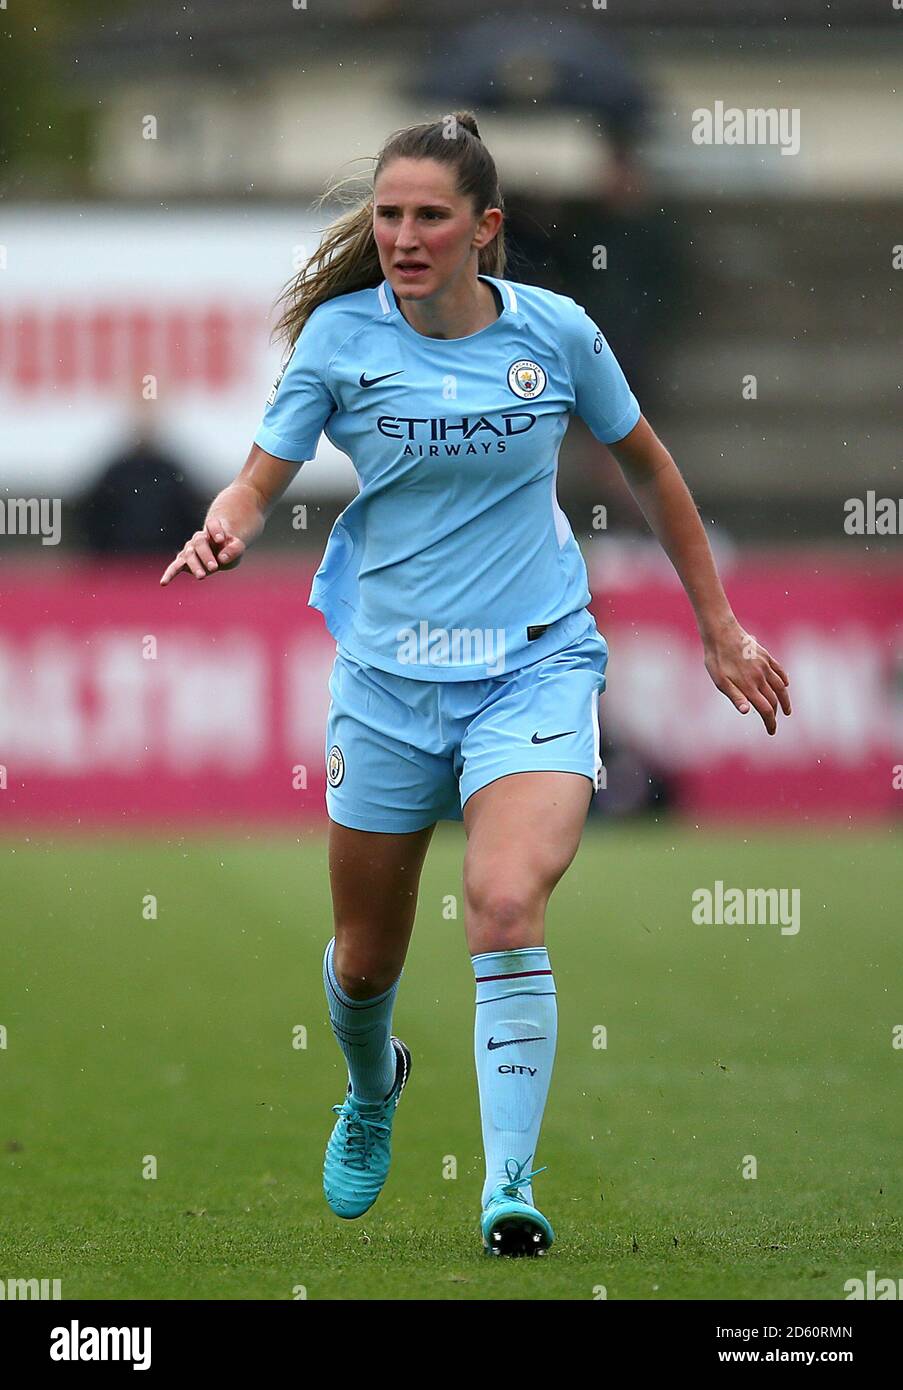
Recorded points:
(468, 667)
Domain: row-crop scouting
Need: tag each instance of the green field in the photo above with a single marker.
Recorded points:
(172, 1037)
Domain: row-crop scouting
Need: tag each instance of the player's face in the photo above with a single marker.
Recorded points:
(426, 232)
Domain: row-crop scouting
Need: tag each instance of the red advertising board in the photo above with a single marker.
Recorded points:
(121, 702)
(836, 627)
(204, 705)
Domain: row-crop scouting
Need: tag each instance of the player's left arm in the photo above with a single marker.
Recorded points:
(740, 667)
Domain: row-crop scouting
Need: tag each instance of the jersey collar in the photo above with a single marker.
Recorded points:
(389, 305)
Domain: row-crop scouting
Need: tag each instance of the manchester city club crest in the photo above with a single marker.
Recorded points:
(335, 766)
(526, 379)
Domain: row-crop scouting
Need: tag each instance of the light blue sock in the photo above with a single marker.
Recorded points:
(514, 1045)
(363, 1030)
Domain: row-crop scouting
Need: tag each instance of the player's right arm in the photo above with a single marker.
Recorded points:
(235, 517)
(298, 408)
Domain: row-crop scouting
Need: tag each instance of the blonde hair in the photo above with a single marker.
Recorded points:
(347, 258)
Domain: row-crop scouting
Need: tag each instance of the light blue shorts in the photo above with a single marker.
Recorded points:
(404, 753)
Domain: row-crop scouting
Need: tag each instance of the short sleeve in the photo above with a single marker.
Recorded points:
(300, 402)
(602, 396)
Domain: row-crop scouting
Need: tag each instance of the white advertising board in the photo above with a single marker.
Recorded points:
(101, 308)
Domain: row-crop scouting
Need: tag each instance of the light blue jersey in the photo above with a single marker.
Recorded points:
(455, 561)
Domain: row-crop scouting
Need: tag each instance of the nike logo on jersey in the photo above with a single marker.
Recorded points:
(548, 738)
(373, 380)
(509, 1042)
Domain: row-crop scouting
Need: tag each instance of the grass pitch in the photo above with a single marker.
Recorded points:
(130, 1038)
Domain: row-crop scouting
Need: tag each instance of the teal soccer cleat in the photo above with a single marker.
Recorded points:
(510, 1226)
(360, 1146)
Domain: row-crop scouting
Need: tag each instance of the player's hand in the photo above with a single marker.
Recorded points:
(209, 550)
(747, 674)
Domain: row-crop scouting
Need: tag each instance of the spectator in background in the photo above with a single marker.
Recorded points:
(568, 65)
(559, 241)
(141, 502)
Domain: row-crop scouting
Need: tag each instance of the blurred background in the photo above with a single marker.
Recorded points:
(161, 165)
(164, 898)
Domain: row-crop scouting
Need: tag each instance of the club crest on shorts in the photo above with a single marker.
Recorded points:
(335, 766)
(526, 379)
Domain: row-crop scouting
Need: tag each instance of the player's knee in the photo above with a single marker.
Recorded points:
(501, 918)
(361, 975)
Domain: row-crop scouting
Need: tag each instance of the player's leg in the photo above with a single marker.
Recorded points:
(523, 831)
(374, 879)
